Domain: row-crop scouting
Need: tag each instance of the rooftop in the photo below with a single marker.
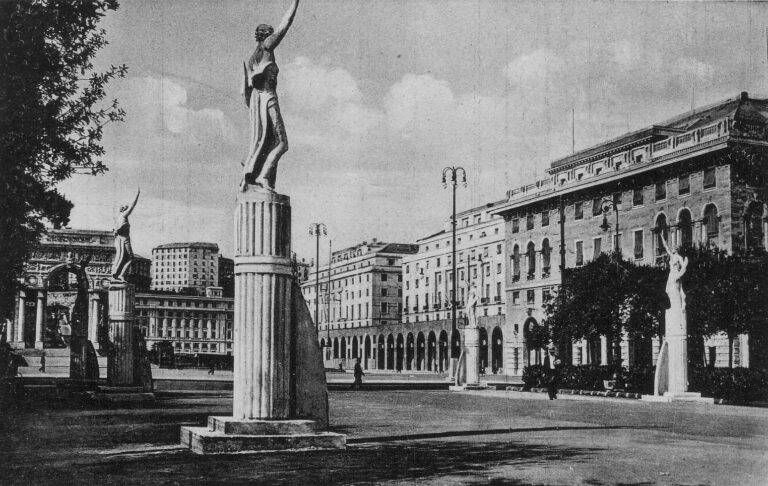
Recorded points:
(194, 244)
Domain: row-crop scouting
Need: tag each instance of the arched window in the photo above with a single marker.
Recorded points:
(711, 224)
(516, 262)
(546, 254)
(754, 226)
(530, 255)
(686, 229)
(662, 231)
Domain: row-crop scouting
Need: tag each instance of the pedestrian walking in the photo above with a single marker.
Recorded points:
(552, 369)
(42, 363)
(211, 368)
(358, 383)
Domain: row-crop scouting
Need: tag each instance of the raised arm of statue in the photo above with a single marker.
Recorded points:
(133, 204)
(664, 242)
(273, 40)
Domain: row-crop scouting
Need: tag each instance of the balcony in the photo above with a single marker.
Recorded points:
(437, 306)
(497, 299)
(484, 300)
(405, 310)
(415, 308)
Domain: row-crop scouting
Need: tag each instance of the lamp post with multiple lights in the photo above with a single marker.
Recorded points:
(451, 176)
(317, 230)
(608, 204)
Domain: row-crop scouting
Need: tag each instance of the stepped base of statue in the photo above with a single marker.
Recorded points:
(467, 374)
(280, 397)
(669, 397)
(226, 435)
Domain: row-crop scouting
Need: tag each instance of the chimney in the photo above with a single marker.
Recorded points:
(744, 96)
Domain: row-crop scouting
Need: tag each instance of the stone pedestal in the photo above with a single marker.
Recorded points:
(279, 394)
(120, 358)
(468, 373)
(94, 315)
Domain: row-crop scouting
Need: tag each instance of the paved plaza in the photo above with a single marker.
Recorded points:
(402, 437)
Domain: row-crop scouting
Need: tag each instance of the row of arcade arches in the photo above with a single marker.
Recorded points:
(412, 351)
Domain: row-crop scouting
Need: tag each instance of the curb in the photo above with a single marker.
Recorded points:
(586, 393)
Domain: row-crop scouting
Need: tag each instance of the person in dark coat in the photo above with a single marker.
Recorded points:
(42, 363)
(358, 376)
(552, 368)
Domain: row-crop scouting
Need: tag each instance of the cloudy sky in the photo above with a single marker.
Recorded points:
(379, 96)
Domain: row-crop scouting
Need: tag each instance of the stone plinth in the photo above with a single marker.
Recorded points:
(678, 397)
(676, 336)
(280, 398)
(120, 357)
(472, 353)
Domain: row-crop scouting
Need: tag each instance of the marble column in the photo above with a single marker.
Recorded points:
(93, 319)
(20, 321)
(121, 308)
(677, 338)
(39, 314)
(10, 329)
(472, 354)
(603, 350)
(263, 332)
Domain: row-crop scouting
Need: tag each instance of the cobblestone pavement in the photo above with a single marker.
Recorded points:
(408, 437)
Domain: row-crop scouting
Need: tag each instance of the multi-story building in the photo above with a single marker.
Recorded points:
(193, 324)
(427, 321)
(227, 276)
(359, 299)
(185, 266)
(681, 179)
(140, 273)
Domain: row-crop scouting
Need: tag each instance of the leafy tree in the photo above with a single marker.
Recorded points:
(726, 293)
(52, 117)
(605, 297)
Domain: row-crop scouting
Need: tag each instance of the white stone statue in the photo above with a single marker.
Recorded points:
(123, 250)
(268, 140)
(471, 305)
(677, 266)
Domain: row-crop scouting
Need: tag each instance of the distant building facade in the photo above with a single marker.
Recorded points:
(227, 276)
(359, 300)
(427, 322)
(193, 324)
(185, 267)
(676, 179)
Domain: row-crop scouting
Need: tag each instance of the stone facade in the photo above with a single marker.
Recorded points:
(365, 295)
(182, 266)
(676, 178)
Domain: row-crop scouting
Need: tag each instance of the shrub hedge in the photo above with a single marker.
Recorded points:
(738, 385)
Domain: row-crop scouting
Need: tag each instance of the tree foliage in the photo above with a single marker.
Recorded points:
(52, 116)
(604, 297)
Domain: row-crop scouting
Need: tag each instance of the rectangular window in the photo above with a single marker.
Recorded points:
(530, 296)
(384, 292)
(515, 225)
(709, 178)
(438, 262)
(661, 191)
(578, 210)
(498, 249)
(684, 185)
(383, 277)
(598, 247)
(384, 308)
(498, 268)
(516, 297)
(637, 197)
(639, 245)
(579, 253)
(545, 218)
(597, 206)
(529, 222)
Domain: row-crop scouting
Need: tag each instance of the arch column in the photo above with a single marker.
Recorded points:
(39, 313)
(93, 319)
(20, 319)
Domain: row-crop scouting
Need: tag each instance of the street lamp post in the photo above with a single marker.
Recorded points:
(451, 175)
(611, 203)
(316, 230)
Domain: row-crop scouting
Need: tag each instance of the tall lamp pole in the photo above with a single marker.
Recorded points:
(451, 176)
(317, 230)
(611, 203)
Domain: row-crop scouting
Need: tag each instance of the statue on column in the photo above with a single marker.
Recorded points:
(471, 305)
(268, 141)
(123, 250)
(677, 266)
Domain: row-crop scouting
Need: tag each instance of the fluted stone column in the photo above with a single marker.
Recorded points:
(121, 308)
(21, 317)
(93, 319)
(39, 313)
(262, 325)
(10, 329)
